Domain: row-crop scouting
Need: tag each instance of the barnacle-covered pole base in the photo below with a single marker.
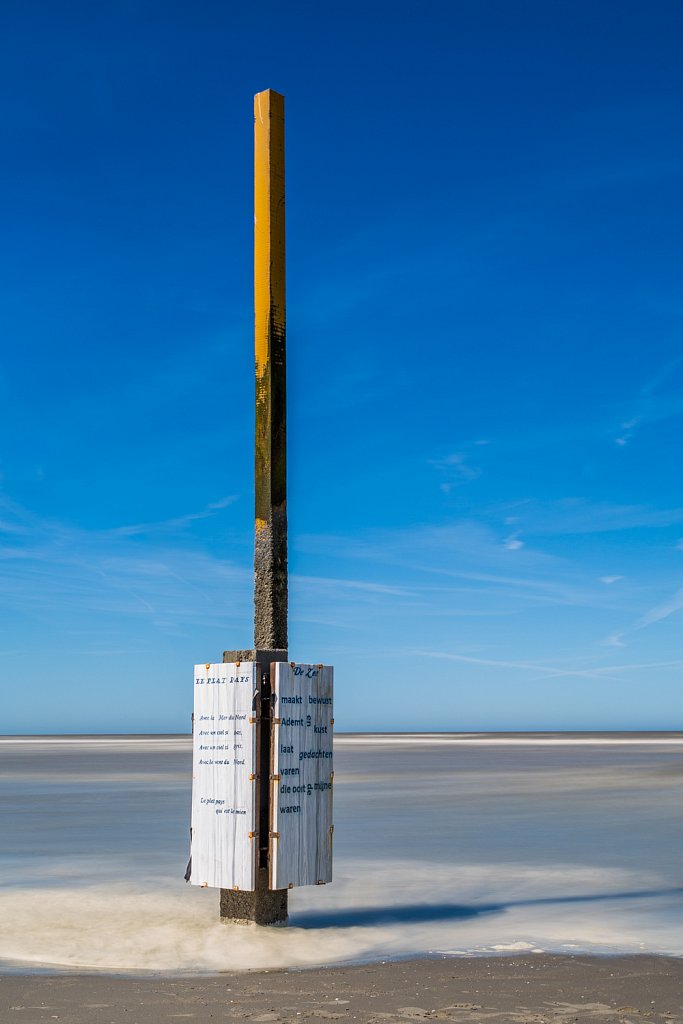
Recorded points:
(263, 906)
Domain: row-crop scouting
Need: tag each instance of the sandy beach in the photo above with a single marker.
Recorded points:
(526, 989)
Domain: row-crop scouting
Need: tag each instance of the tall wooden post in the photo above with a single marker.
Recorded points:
(270, 556)
(265, 906)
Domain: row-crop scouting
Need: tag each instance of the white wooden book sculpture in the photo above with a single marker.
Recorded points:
(225, 845)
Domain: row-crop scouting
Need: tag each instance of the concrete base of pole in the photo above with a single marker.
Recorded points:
(263, 906)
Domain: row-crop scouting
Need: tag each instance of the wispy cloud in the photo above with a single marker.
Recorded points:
(656, 614)
(649, 406)
(599, 672)
(456, 470)
(11, 528)
(334, 583)
(53, 571)
(539, 670)
(476, 557)
(513, 543)
(177, 523)
(627, 427)
(580, 515)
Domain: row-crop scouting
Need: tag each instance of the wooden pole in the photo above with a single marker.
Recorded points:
(266, 906)
(270, 549)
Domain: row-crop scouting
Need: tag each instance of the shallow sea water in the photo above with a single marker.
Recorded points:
(444, 845)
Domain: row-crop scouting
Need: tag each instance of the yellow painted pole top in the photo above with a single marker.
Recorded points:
(269, 222)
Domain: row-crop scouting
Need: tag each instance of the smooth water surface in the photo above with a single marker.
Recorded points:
(448, 844)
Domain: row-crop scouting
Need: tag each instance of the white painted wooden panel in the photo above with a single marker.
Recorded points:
(223, 794)
(301, 805)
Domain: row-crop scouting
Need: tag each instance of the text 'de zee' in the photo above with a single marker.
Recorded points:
(301, 805)
(223, 773)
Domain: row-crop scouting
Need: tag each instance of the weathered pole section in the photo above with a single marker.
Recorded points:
(266, 906)
(270, 556)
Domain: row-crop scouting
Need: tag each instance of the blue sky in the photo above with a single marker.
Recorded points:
(485, 360)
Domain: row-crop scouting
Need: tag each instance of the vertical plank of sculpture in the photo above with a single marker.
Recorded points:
(224, 845)
(302, 776)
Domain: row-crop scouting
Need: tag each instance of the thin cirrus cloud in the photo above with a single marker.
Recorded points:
(539, 670)
(68, 569)
(651, 407)
(11, 528)
(474, 556)
(176, 523)
(547, 671)
(526, 666)
(628, 426)
(658, 613)
(578, 515)
(333, 584)
(173, 574)
(455, 471)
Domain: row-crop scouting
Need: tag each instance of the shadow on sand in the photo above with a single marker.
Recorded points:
(420, 913)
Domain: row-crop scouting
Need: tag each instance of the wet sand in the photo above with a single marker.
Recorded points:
(522, 989)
